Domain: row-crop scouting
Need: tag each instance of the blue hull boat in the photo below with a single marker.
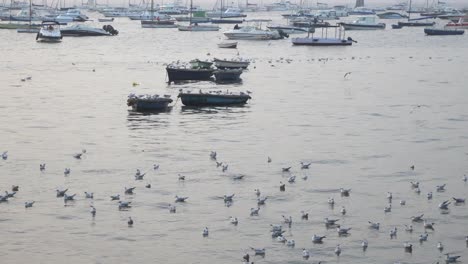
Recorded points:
(140, 105)
(185, 74)
(213, 99)
(442, 32)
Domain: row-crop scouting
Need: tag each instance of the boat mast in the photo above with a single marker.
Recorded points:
(152, 10)
(190, 15)
(30, 13)
(409, 11)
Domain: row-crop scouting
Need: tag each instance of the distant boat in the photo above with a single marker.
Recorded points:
(49, 32)
(213, 99)
(231, 64)
(414, 22)
(391, 15)
(227, 45)
(157, 22)
(226, 21)
(198, 64)
(363, 23)
(443, 32)
(289, 29)
(106, 19)
(254, 32)
(228, 75)
(149, 102)
(462, 23)
(324, 40)
(79, 30)
(188, 74)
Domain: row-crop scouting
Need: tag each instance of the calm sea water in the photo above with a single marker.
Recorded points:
(361, 132)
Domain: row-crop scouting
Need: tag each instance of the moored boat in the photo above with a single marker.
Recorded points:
(443, 32)
(363, 23)
(462, 23)
(324, 40)
(391, 15)
(49, 32)
(231, 64)
(149, 102)
(177, 73)
(79, 30)
(217, 98)
(290, 29)
(158, 24)
(227, 75)
(228, 45)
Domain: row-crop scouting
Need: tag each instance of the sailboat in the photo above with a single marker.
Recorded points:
(158, 22)
(194, 26)
(413, 22)
(229, 13)
(10, 25)
(31, 28)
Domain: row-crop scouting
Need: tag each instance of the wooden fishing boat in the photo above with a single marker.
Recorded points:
(443, 32)
(213, 98)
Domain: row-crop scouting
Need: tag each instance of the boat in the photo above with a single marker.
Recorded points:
(227, 75)
(361, 11)
(231, 64)
(49, 32)
(194, 26)
(180, 73)
(148, 15)
(198, 64)
(31, 28)
(157, 22)
(462, 23)
(443, 32)
(289, 29)
(217, 98)
(254, 32)
(72, 15)
(227, 45)
(226, 21)
(106, 19)
(228, 13)
(391, 15)
(415, 22)
(79, 30)
(339, 40)
(149, 102)
(363, 23)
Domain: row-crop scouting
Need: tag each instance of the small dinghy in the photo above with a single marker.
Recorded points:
(213, 98)
(227, 75)
(227, 45)
(106, 19)
(443, 32)
(148, 102)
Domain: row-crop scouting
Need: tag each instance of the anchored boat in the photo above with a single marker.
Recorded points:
(217, 98)
(148, 102)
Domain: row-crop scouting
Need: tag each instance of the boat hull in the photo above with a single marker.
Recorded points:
(227, 75)
(291, 30)
(443, 32)
(212, 99)
(231, 45)
(226, 21)
(198, 28)
(416, 24)
(321, 42)
(150, 105)
(351, 26)
(225, 64)
(177, 74)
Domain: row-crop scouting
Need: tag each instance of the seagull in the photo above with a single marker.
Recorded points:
(234, 220)
(364, 245)
(346, 74)
(429, 195)
(218, 164)
(246, 258)
(393, 232)
(269, 160)
(228, 197)
(261, 200)
(155, 166)
(148, 185)
(130, 222)
(281, 239)
(345, 192)
(389, 196)
(342, 230)
(444, 205)
(93, 211)
(414, 185)
(89, 195)
(257, 192)
(305, 166)
(464, 178)
(42, 166)
(238, 177)
(180, 199)
(388, 208)
(412, 167)
(440, 188)
(428, 225)
(305, 253)
(225, 167)
(68, 197)
(115, 197)
(408, 247)
(331, 201)
(10, 195)
(181, 177)
(139, 175)
(28, 204)
(205, 232)
(402, 202)
(78, 155)
(330, 222)
(451, 259)
(254, 211)
(423, 237)
(172, 209)
(317, 239)
(417, 190)
(374, 225)
(14, 188)
(282, 187)
(129, 190)
(287, 220)
(213, 155)
(417, 218)
(304, 215)
(338, 250)
(292, 179)
(343, 210)
(258, 251)
(305, 177)
(286, 169)
(67, 171)
(61, 193)
(276, 228)
(458, 200)
(440, 247)
(409, 228)
(124, 205)
(291, 243)
(5, 155)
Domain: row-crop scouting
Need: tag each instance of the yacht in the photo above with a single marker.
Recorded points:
(49, 32)
(364, 23)
(79, 30)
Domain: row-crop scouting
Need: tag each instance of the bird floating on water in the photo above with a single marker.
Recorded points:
(374, 225)
(423, 237)
(225, 167)
(304, 215)
(148, 185)
(282, 187)
(440, 188)
(129, 190)
(69, 197)
(428, 225)
(89, 195)
(254, 211)
(269, 160)
(418, 218)
(233, 220)
(305, 166)
(330, 222)
(181, 177)
(291, 243)
(213, 155)
(14, 188)
(292, 179)
(228, 197)
(429, 195)
(42, 166)
(305, 253)
(155, 166)
(124, 205)
(257, 192)
(393, 232)
(205, 232)
(409, 228)
(261, 200)
(331, 201)
(342, 230)
(343, 210)
(402, 202)
(444, 205)
(259, 251)
(458, 200)
(388, 208)
(130, 222)
(440, 247)
(286, 169)
(5, 155)
(408, 247)
(451, 259)
(338, 250)
(414, 185)
(67, 171)
(93, 210)
(364, 245)
(179, 199)
(61, 193)
(29, 204)
(115, 197)
(345, 192)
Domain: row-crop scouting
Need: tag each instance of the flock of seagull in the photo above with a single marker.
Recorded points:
(277, 231)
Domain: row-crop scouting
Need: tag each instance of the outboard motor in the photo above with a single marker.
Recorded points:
(110, 29)
(283, 34)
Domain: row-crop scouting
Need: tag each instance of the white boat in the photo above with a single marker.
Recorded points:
(253, 32)
(72, 15)
(79, 30)
(49, 32)
(289, 29)
(462, 23)
(227, 45)
(148, 15)
(324, 40)
(364, 23)
(116, 12)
